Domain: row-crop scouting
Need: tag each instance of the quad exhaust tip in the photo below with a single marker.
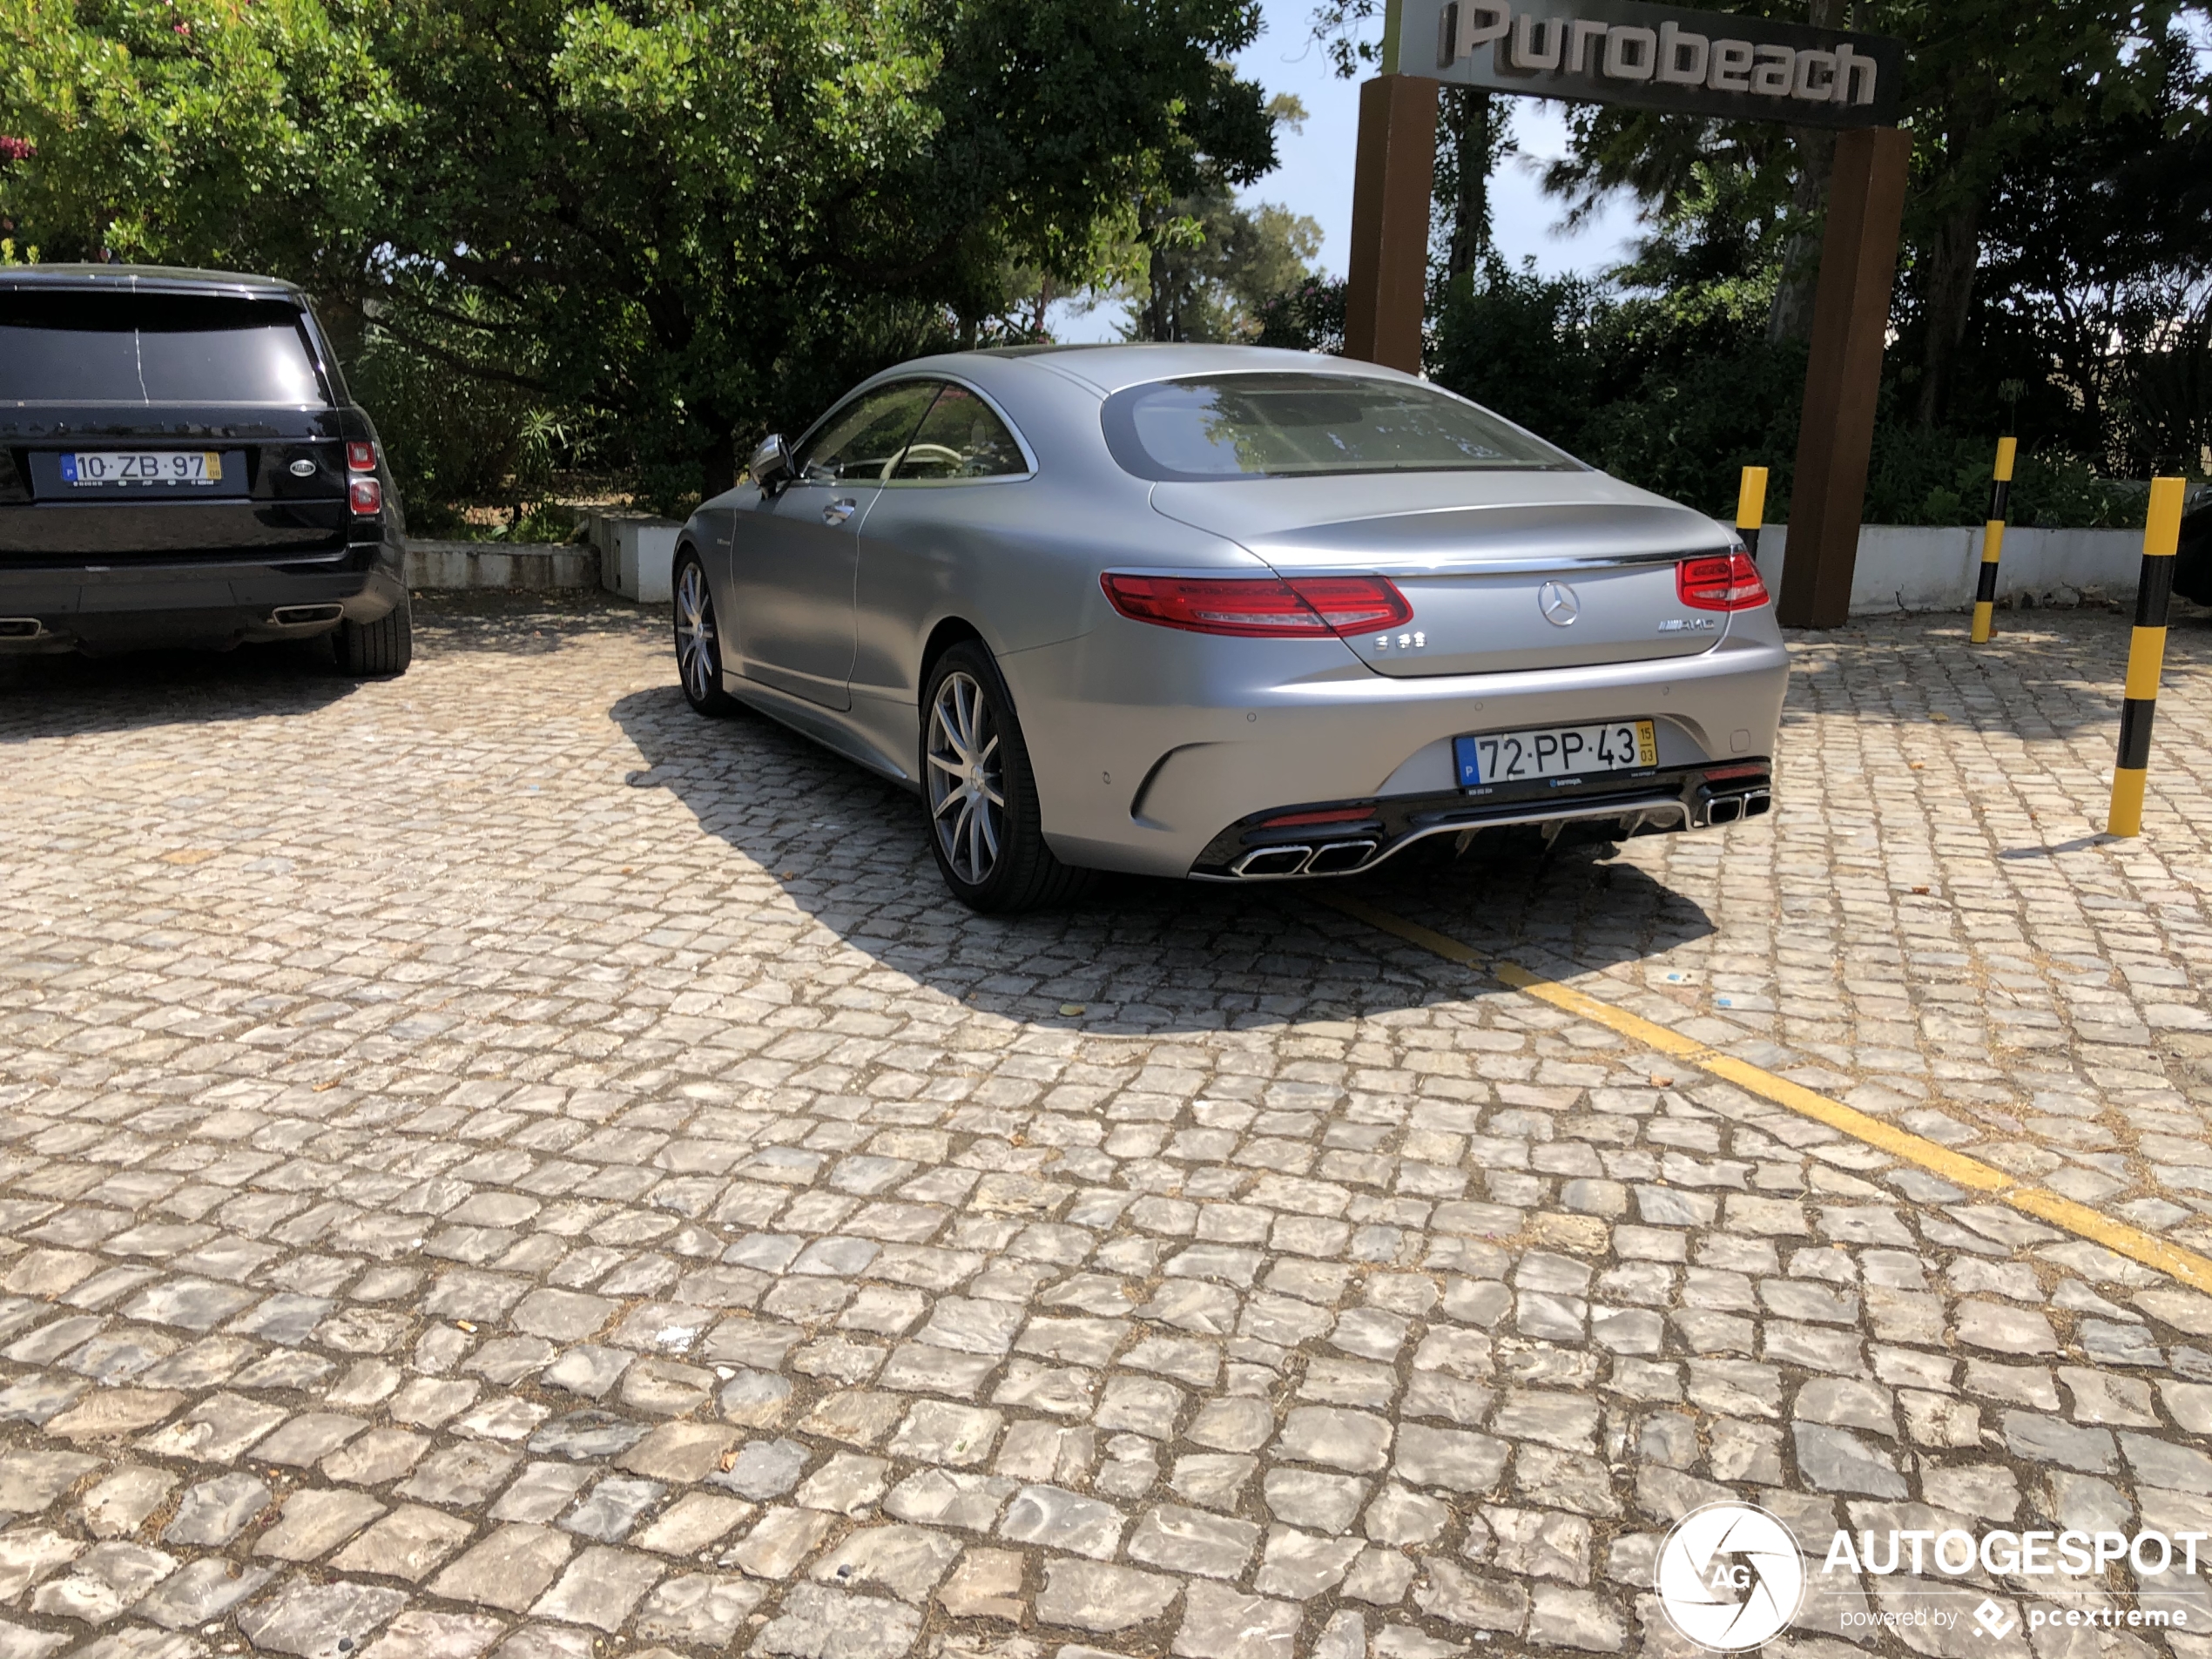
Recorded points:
(299, 615)
(21, 628)
(1332, 857)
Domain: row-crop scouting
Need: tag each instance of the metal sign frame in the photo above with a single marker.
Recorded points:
(1664, 58)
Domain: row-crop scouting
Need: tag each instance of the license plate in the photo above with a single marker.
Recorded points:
(1554, 751)
(141, 469)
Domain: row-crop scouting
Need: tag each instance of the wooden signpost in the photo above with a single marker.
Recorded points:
(1689, 63)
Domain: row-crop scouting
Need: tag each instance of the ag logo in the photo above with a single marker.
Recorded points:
(1730, 1577)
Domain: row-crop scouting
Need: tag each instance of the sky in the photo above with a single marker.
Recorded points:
(1315, 177)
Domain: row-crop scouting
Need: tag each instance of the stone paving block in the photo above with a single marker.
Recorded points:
(310, 1620)
(106, 1580)
(986, 1584)
(313, 1522)
(31, 1553)
(410, 1543)
(217, 1430)
(779, 1540)
(697, 1610)
(459, 1476)
(509, 1569)
(419, 1634)
(120, 1504)
(680, 1452)
(1219, 1623)
(114, 1412)
(817, 1622)
(201, 1591)
(600, 1588)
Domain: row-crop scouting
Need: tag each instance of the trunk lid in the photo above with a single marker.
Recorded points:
(281, 493)
(1526, 580)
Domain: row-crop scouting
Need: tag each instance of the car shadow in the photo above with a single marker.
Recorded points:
(67, 696)
(1132, 955)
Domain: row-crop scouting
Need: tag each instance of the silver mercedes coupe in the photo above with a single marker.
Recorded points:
(1226, 613)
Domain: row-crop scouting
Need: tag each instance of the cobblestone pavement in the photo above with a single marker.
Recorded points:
(492, 1164)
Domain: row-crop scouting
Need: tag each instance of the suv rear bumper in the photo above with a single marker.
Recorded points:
(206, 603)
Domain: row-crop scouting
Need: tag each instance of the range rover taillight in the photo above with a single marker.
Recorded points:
(364, 491)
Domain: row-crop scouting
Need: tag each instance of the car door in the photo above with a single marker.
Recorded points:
(942, 508)
(793, 558)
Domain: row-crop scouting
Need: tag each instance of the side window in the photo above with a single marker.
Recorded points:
(961, 438)
(859, 442)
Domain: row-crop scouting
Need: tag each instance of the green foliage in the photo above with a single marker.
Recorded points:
(1309, 317)
(1679, 392)
(670, 223)
(199, 132)
(1215, 264)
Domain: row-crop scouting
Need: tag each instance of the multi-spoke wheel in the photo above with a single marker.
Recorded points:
(967, 793)
(698, 646)
(981, 794)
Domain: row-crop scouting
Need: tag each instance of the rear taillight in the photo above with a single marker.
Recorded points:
(1263, 607)
(1720, 582)
(361, 458)
(367, 496)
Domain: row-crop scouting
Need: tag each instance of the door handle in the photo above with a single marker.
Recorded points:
(838, 511)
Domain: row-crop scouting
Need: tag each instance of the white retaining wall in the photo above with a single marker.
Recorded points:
(636, 551)
(1936, 569)
(532, 566)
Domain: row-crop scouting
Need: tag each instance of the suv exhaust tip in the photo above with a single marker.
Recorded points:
(301, 616)
(21, 628)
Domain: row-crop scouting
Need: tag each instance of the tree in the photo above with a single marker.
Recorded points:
(197, 133)
(1987, 82)
(1201, 266)
(701, 217)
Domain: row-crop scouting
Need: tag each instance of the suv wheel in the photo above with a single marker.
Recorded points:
(980, 793)
(380, 647)
(698, 642)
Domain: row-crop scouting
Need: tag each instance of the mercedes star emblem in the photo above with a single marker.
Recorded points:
(1557, 601)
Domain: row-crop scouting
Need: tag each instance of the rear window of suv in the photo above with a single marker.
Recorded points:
(59, 347)
(1294, 425)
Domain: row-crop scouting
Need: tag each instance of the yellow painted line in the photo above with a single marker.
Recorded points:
(2187, 1266)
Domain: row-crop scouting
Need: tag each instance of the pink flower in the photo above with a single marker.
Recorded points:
(17, 149)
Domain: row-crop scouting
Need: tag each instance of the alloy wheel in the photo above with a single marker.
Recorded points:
(696, 658)
(967, 784)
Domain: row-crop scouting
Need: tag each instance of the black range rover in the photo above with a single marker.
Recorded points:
(180, 465)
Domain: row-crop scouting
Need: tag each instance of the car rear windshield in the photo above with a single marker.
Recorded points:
(1293, 425)
(64, 347)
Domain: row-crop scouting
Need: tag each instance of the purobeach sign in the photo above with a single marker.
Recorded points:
(1653, 57)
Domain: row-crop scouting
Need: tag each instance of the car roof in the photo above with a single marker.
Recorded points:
(148, 279)
(1108, 368)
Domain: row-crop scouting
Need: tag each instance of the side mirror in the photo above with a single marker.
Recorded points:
(770, 465)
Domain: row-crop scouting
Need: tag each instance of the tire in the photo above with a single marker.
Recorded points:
(979, 794)
(698, 640)
(377, 650)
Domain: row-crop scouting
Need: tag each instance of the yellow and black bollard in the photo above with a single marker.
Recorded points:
(1751, 509)
(1992, 537)
(2146, 655)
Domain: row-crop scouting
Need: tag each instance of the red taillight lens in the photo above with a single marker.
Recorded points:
(361, 458)
(1265, 607)
(1723, 582)
(367, 496)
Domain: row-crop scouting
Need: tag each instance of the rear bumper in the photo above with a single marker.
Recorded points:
(1359, 836)
(219, 603)
(1144, 765)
